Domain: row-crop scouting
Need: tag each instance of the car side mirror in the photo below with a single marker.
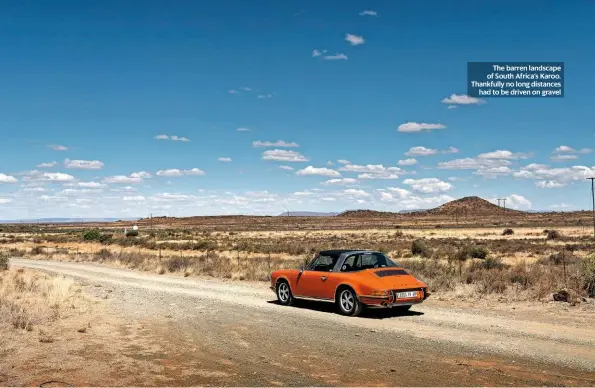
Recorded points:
(300, 270)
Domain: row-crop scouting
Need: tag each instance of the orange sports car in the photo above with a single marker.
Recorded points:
(352, 279)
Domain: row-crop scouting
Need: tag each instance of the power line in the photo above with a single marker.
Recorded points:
(593, 197)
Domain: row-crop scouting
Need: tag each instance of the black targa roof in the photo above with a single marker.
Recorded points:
(334, 253)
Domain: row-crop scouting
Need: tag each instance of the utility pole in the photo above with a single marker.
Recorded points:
(593, 197)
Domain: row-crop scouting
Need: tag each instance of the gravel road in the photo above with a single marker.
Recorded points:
(215, 332)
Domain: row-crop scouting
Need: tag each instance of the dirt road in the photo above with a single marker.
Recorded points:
(166, 330)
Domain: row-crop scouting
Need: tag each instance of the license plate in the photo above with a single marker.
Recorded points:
(407, 294)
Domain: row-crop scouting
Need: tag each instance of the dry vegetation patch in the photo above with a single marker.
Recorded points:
(30, 298)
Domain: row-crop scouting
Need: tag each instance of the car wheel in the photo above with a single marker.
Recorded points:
(348, 303)
(284, 295)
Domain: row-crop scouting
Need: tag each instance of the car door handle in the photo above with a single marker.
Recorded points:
(323, 277)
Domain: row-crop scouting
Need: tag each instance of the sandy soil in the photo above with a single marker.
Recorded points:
(166, 330)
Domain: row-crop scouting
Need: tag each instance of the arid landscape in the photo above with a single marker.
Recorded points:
(495, 276)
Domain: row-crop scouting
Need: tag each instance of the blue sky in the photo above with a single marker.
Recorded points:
(87, 88)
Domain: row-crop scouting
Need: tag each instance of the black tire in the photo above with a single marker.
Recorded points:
(284, 294)
(402, 309)
(348, 302)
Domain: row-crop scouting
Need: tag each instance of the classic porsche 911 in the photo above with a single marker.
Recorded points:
(352, 279)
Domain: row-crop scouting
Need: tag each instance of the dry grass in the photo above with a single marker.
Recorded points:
(30, 298)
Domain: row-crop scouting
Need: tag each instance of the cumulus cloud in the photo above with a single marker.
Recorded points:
(341, 181)
(343, 161)
(472, 164)
(323, 171)
(462, 99)
(373, 171)
(570, 150)
(515, 201)
(407, 162)
(428, 185)
(287, 168)
(135, 177)
(356, 193)
(354, 40)
(555, 176)
(421, 151)
(284, 156)
(368, 12)
(492, 172)
(402, 199)
(549, 184)
(174, 172)
(503, 154)
(7, 179)
(83, 164)
(173, 138)
(47, 165)
(278, 143)
(418, 127)
(135, 198)
(224, 159)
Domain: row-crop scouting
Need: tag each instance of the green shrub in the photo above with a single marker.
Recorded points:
(4, 261)
(419, 247)
(91, 235)
(132, 233)
(588, 273)
(105, 238)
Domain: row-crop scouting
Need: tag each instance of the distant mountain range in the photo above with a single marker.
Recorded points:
(64, 220)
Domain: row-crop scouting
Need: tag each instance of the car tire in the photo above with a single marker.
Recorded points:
(284, 294)
(348, 302)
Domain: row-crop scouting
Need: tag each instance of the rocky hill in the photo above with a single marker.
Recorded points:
(468, 206)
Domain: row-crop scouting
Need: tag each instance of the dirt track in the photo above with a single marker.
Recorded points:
(165, 330)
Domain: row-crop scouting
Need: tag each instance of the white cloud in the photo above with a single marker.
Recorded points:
(5, 200)
(263, 96)
(174, 172)
(461, 99)
(556, 176)
(472, 164)
(407, 162)
(399, 192)
(323, 171)
(368, 12)
(404, 200)
(316, 53)
(233, 91)
(421, 151)
(90, 185)
(428, 185)
(373, 171)
(224, 159)
(243, 129)
(341, 181)
(278, 143)
(492, 172)
(354, 40)
(135, 177)
(356, 193)
(535, 166)
(503, 154)
(343, 161)
(57, 147)
(303, 193)
(287, 168)
(559, 158)
(173, 138)
(56, 177)
(515, 201)
(570, 150)
(47, 165)
(7, 178)
(336, 57)
(549, 184)
(418, 127)
(284, 156)
(83, 164)
(136, 198)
